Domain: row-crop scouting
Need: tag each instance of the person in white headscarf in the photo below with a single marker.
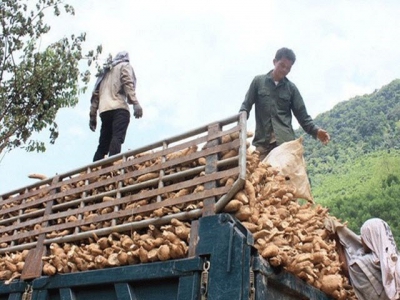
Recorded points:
(372, 260)
(113, 91)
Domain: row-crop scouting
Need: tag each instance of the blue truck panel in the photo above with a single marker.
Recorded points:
(225, 266)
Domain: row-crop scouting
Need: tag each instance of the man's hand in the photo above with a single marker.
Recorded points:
(92, 123)
(137, 111)
(323, 136)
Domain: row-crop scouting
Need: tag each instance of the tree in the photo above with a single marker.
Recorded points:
(36, 83)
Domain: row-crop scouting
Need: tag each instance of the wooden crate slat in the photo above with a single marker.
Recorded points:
(101, 205)
(121, 214)
(80, 192)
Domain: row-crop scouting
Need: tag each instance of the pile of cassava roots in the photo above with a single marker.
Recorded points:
(289, 233)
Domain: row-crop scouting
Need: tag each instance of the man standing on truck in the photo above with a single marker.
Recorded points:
(275, 98)
(113, 91)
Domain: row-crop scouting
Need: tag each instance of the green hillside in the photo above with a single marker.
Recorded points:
(368, 187)
(357, 176)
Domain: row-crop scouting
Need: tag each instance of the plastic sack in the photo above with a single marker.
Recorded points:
(289, 160)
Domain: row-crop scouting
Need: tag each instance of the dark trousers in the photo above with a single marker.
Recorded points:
(264, 151)
(114, 124)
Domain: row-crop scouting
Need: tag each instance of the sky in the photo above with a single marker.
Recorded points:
(194, 62)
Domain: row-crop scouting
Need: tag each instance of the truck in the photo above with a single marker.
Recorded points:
(121, 194)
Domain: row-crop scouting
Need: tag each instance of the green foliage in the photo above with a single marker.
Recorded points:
(368, 187)
(357, 176)
(35, 84)
(363, 124)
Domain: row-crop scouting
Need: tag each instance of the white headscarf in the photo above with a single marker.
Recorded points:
(122, 56)
(378, 237)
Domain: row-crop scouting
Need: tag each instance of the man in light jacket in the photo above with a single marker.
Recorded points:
(113, 91)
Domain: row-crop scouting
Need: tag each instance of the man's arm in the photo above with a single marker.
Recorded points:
(301, 114)
(250, 98)
(305, 120)
(128, 80)
(323, 136)
(94, 105)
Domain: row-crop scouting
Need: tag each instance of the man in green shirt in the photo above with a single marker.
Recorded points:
(275, 98)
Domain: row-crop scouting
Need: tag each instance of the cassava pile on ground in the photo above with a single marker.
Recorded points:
(287, 234)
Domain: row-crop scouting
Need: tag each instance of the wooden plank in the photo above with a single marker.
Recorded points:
(211, 167)
(131, 198)
(154, 168)
(27, 192)
(131, 153)
(213, 134)
(30, 215)
(173, 149)
(33, 263)
(122, 213)
(194, 238)
(153, 206)
(29, 204)
(139, 187)
(22, 196)
(98, 206)
(139, 160)
(79, 190)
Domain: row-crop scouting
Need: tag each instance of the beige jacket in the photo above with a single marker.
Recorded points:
(116, 91)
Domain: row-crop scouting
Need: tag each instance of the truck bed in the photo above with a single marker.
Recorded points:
(224, 267)
(221, 262)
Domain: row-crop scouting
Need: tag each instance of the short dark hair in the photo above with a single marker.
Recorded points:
(285, 53)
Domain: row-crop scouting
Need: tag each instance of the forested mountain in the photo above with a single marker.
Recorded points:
(357, 175)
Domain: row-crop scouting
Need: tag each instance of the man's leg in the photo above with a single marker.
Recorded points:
(119, 126)
(105, 135)
(264, 151)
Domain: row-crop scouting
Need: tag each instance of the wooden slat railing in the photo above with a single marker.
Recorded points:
(113, 195)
